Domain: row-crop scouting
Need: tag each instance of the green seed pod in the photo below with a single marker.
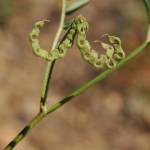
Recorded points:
(79, 27)
(34, 35)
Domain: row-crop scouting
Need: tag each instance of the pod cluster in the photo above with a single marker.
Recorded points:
(78, 28)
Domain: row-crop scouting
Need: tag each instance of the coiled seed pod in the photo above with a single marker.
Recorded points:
(79, 27)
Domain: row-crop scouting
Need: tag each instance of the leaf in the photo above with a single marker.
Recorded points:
(75, 5)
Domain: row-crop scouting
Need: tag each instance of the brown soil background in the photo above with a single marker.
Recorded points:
(113, 115)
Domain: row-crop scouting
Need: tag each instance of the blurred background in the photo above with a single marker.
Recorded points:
(113, 115)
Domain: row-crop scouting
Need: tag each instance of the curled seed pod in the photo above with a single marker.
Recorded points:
(62, 49)
(34, 38)
(79, 27)
(114, 52)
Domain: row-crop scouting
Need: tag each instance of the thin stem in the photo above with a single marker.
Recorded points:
(41, 115)
(25, 131)
(74, 94)
(147, 6)
(50, 65)
(97, 79)
(148, 34)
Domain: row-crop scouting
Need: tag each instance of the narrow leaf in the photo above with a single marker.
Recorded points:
(75, 5)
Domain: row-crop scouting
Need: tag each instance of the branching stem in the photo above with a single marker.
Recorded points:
(74, 94)
(147, 6)
(50, 65)
(44, 112)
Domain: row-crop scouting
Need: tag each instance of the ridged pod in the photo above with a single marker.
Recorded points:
(79, 27)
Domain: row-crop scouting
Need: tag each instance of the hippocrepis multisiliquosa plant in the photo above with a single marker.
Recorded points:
(76, 30)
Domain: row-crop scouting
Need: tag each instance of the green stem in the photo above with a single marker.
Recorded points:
(42, 114)
(50, 65)
(148, 34)
(26, 130)
(147, 6)
(97, 79)
(74, 94)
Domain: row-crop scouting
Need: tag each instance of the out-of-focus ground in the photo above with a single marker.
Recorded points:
(113, 115)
